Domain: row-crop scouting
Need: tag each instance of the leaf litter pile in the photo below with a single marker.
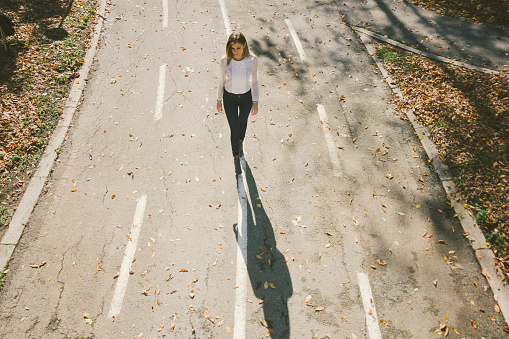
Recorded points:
(36, 72)
(467, 115)
(481, 11)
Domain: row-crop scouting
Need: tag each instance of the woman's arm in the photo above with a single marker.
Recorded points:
(220, 86)
(255, 90)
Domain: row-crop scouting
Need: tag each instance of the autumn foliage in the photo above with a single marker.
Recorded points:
(467, 114)
(493, 12)
(43, 57)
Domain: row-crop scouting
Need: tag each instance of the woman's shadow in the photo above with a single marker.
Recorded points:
(266, 265)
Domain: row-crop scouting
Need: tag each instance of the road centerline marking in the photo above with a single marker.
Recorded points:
(160, 92)
(239, 329)
(226, 20)
(369, 306)
(296, 40)
(123, 278)
(239, 321)
(333, 152)
(165, 13)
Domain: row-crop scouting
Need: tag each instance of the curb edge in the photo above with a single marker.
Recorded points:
(36, 185)
(484, 255)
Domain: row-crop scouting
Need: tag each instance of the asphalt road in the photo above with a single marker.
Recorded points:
(337, 227)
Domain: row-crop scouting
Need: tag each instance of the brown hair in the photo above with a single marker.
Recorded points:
(236, 37)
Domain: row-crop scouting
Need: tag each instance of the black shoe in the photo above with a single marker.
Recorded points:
(241, 149)
(236, 161)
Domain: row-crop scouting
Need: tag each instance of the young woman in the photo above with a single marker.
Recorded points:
(238, 91)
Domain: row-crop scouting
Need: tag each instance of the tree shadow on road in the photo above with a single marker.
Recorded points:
(266, 265)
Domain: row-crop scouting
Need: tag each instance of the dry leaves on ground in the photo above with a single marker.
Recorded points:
(44, 56)
(481, 11)
(467, 114)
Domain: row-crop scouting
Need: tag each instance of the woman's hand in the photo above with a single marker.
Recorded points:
(219, 107)
(254, 109)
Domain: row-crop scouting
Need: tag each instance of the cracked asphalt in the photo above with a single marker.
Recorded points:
(309, 233)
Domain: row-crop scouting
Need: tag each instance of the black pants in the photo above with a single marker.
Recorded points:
(237, 108)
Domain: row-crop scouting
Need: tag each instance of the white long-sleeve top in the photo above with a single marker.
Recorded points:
(239, 77)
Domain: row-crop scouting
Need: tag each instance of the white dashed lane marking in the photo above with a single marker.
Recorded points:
(296, 40)
(160, 93)
(239, 330)
(123, 278)
(225, 18)
(333, 150)
(369, 306)
(165, 13)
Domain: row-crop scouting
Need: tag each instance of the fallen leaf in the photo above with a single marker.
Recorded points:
(44, 263)
(319, 309)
